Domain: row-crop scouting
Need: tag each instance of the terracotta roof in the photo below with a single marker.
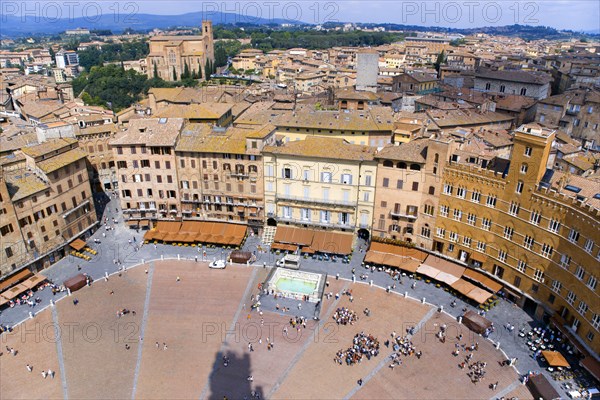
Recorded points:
(371, 119)
(150, 131)
(22, 185)
(48, 147)
(351, 94)
(452, 118)
(414, 151)
(195, 111)
(41, 108)
(323, 147)
(206, 139)
(61, 160)
(515, 76)
(589, 187)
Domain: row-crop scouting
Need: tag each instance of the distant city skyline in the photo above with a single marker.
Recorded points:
(577, 15)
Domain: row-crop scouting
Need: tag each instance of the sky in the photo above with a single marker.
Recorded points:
(578, 15)
(560, 14)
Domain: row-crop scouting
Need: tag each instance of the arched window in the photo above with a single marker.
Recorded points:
(401, 165)
(415, 167)
(436, 158)
(388, 163)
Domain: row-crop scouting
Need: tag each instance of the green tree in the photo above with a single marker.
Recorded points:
(441, 59)
(174, 74)
(207, 69)
(113, 84)
(186, 71)
(155, 69)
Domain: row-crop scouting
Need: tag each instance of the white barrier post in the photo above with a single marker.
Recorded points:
(460, 320)
(51, 302)
(497, 345)
(353, 279)
(178, 257)
(371, 282)
(405, 294)
(162, 256)
(68, 292)
(30, 314)
(423, 301)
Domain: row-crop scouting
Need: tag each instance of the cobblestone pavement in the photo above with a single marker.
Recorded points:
(121, 248)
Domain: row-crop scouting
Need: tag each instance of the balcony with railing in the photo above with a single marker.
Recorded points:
(399, 214)
(319, 223)
(312, 200)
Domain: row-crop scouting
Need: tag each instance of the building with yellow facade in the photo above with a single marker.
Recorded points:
(327, 183)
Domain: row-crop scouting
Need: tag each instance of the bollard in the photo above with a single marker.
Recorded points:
(51, 302)
(371, 282)
(460, 320)
(178, 257)
(162, 256)
(30, 314)
(353, 279)
(68, 292)
(106, 275)
(497, 345)
(142, 260)
(423, 301)
(405, 294)
(441, 308)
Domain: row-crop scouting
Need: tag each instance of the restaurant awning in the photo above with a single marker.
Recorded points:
(78, 244)
(375, 257)
(307, 250)
(463, 286)
(445, 266)
(398, 250)
(555, 359)
(427, 270)
(479, 295)
(34, 281)
(592, 366)
(332, 242)
(446, 278)
(482, 279)
(409, 265)
(18, 277)
(14, 291)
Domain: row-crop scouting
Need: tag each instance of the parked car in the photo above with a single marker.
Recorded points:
(218, 264)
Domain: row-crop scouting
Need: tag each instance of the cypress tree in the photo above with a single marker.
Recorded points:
(174, 74)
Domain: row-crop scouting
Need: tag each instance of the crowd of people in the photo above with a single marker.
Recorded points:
(477, 371)
(363, 345)
(345, 316)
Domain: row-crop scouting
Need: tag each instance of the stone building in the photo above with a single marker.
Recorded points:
(407, 189)
(220, 172)
(170, 54)
(530, 227)
(523, 83)
(48, 202)
(146, 169)
(320, 182)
